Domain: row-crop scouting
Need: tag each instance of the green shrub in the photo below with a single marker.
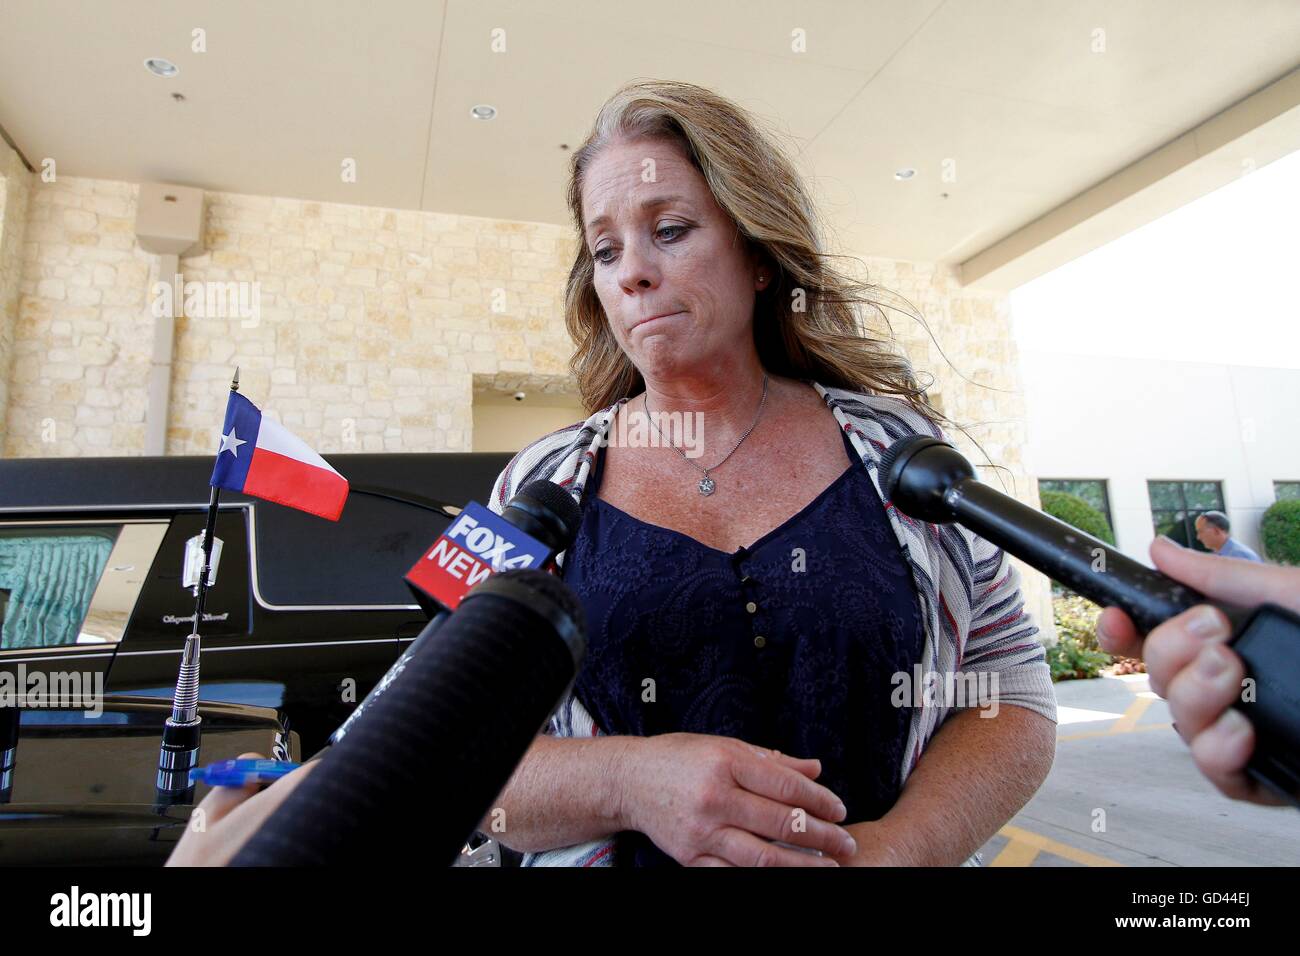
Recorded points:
(1279, 530)
(1076, 654)
(1076, 512)
(1069, 661)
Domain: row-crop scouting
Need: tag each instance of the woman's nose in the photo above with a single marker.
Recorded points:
(637, 270)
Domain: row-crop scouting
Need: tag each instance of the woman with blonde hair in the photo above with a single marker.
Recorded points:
(760, 620)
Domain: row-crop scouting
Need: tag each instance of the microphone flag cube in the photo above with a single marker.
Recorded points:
(476, 544)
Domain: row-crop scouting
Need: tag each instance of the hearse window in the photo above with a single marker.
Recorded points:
(358, 561)
(49, 575)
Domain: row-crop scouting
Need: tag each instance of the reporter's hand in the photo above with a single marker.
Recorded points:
(1190, 667)
(707, 800)
(230, 815)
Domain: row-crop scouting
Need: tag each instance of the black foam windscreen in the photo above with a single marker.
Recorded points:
(421, 768)
(548, 512)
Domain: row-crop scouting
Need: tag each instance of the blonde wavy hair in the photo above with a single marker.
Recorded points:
(824, 339)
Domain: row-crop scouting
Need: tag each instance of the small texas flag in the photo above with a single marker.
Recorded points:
(261, 458)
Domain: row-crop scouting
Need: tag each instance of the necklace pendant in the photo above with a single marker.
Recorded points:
(707, 485)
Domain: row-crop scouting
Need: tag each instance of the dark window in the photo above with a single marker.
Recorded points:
(1286, 490)
(359, 560)
(1091, 490)
(1175, 506)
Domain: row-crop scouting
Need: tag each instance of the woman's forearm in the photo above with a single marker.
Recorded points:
(974, 776)
(564, 791)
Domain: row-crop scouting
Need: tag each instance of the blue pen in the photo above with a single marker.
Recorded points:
(238, 773)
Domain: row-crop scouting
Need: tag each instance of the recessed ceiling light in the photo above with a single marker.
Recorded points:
(160, 67)
(903, 174)
(483, 112)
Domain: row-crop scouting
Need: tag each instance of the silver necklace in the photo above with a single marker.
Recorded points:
(707, 485)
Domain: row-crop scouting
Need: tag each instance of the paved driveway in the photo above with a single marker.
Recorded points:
(1124, 792)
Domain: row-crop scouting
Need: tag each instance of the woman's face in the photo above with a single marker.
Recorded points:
(661, 244)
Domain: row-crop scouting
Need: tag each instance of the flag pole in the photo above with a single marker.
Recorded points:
(181, 731)
(214, 494)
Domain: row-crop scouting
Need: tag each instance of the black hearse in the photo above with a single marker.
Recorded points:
(303, 618)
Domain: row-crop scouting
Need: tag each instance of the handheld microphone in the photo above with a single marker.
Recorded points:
(927, 479)
(418, 773)
(541, 520)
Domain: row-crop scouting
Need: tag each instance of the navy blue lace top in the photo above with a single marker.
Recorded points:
(789, 643)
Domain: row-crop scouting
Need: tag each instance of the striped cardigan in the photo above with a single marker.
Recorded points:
(969, 591)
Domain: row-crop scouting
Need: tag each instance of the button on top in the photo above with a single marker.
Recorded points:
(751, 607)
(760, 641)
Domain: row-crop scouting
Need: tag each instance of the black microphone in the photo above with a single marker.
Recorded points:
(927, 479)
(419, 771)
(541, 509)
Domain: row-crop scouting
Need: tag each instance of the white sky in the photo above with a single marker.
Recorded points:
(1217, 280)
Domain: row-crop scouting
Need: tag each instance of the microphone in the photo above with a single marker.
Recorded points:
(418, 773)
(928, 479)
(541, 520)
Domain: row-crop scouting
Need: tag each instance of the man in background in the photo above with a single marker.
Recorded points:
(1212, 531)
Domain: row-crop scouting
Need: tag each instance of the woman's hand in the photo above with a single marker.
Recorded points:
(1191, 668)
(718, 801)
(228, 816)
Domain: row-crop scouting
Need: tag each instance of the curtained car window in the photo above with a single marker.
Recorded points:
(49, 576)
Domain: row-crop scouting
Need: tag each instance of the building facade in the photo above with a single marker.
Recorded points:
(1165, 440)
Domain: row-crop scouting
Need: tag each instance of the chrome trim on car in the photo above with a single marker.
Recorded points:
(56, 509)
(209, 648)
(62, 653)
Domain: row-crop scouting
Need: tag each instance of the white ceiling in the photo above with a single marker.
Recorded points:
(1010, 90)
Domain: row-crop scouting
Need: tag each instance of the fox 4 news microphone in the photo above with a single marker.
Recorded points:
(539, 522)
(420, 770)
(927, 479)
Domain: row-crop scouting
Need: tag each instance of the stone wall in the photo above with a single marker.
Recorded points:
(371, 324)
(15, 186)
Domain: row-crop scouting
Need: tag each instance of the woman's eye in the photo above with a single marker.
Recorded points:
(600, 256)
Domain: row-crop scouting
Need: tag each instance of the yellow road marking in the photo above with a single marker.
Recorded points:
(1129, 721)
(1038, 843)
(1107, 733)
(1015, 853)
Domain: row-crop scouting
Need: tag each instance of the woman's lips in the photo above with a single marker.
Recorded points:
(655, 319)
